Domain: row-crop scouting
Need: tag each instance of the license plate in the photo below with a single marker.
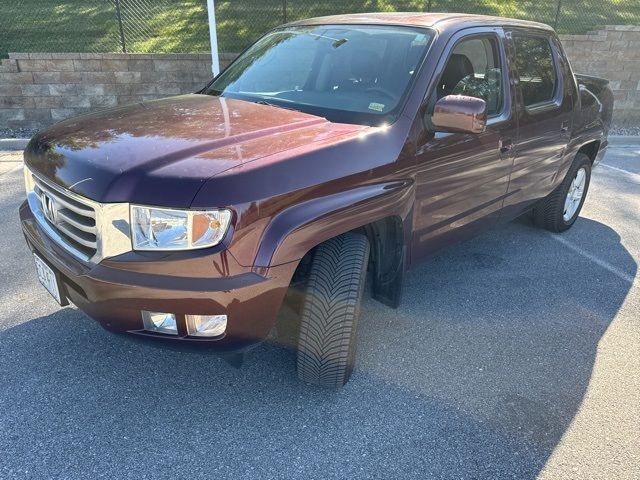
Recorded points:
(47, 278)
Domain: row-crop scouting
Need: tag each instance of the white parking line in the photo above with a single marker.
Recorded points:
(620, 170)
(14, 169)
(607, 266)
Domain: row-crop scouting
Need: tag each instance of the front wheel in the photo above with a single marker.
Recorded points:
(559, 210)
(329, 320)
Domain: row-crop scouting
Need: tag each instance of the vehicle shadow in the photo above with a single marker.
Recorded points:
(477, 375)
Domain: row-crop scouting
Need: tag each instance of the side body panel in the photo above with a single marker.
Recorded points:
(592, 117)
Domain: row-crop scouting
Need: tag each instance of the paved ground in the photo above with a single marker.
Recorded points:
(514, 355)
(9, 160)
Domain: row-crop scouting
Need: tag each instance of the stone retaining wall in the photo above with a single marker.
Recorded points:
(613, 53)
(38, 89)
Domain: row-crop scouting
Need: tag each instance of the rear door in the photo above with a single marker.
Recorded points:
(544, 107)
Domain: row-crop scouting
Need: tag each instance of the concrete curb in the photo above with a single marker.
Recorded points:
(620, 140)
(13, 143)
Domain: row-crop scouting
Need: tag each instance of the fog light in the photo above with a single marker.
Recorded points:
(206, 325)
(160, 322)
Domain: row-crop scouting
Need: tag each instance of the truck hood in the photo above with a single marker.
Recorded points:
(161, 152)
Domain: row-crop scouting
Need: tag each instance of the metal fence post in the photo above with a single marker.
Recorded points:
(119, 15)
(555, 23)
(284, 10)
(213, 38)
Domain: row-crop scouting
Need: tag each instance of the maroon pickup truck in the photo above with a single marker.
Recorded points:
(331, 148)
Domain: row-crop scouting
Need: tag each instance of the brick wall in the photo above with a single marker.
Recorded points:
(38, 89)
(614, 53)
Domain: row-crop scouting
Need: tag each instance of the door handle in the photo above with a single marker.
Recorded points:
(505, 145)
(564, 127)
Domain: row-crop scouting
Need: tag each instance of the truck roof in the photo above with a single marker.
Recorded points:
(439, 21)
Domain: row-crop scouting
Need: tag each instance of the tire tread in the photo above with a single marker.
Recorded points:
(326, 345)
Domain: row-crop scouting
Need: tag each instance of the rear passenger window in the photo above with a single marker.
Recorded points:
(536, 68)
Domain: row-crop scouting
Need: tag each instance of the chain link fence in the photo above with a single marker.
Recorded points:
(182, 25)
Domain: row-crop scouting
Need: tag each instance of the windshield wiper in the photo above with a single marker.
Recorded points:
(212, 91)
(264, 102)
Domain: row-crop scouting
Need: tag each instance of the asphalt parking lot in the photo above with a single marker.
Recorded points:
(513, 355)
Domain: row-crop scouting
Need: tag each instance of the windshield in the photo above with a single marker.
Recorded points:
(345, 73)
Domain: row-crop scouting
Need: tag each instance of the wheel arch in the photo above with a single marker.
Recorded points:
(378, 211)
(387, 259)
(590, 149)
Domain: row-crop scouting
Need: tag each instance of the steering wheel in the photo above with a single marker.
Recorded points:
(383, 91)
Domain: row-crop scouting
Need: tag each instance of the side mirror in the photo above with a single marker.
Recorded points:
(460, 114)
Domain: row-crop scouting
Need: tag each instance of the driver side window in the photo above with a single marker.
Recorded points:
(474, 69)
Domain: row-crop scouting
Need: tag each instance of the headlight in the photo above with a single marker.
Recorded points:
(164, 229)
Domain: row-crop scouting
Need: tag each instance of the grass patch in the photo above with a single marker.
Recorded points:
(181, 25)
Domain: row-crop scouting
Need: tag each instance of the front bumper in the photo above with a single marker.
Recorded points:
(205, 282)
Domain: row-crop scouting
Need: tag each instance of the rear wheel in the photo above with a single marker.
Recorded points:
(559, 210)
(329, 320)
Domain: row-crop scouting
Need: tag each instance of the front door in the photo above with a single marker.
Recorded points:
(462, 179)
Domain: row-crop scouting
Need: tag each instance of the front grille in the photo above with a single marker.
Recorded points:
(73, 219)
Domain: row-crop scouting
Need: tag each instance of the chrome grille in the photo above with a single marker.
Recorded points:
(72, 218)
(89, 230)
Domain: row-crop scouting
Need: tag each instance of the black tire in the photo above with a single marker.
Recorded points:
(329, 320)
(549, 213)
